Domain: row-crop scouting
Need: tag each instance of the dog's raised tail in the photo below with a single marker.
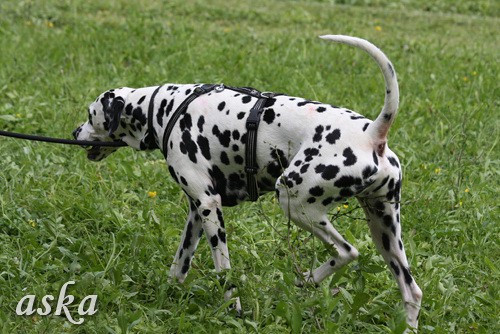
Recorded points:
(380, 127)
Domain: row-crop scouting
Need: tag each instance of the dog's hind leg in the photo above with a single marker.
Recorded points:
(187, 247)
(382, 208)
(385, 227)
(312, 217)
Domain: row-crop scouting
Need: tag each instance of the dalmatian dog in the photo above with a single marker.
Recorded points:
(313, 155)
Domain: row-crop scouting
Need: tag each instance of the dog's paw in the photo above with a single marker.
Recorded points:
(307, 279)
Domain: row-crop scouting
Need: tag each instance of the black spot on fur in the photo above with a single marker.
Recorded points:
(224, 137)
(375, 158)
(295, 177)
(369, 171)
(139, 116)
(185, 266)
(222, 235)
(386, 242)
(172, 173)
(327, 172)
(327, 201)
(347, 181)
(224, 158)
(214, 241)
(304, 169)
(220, 217)
(204, 146)
(350, 158)
(319, 133)
(393, 161)
(201, 122)
(161, 112)
(303, 103)
(407, 274)
(279, 163)
(188, 146)
(395, 268)
(333, 136)
(316, 191)
(170, 106)
(269, 116)
(221, 106)
(187, 239)
(246, 99)
(235, 182)
(184, 181)
(347, 247)
(310, 153)
(186, 122)
(238, 159)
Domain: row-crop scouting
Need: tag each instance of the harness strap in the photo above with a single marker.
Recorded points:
(252, 125)
(149, 138)
(198, 91)
(251, 167)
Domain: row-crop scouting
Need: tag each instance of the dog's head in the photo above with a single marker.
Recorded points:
(107, 122)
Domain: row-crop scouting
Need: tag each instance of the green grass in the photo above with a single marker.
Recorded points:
(63, 218)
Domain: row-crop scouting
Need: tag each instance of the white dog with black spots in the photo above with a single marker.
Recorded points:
(314, 155)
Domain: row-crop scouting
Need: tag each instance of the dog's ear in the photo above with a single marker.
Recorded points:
(114, 112)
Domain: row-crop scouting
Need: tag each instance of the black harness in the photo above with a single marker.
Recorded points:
(252, 125)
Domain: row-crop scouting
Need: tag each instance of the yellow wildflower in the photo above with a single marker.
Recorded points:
(50, 24)
(378, 28)
(466, 190)
(437, 170)
(152, 194)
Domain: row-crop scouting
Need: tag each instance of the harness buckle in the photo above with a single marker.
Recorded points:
(252, 124)
(219, 88)
(251, 170)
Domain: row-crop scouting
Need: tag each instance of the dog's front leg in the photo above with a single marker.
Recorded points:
(210, 209)
(187, 247)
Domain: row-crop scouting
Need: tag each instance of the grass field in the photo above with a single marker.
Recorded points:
(113, 227)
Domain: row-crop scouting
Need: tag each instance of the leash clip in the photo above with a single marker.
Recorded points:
(267, 95)
(219, 88)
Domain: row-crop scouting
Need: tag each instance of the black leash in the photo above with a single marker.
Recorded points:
(62, 141)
